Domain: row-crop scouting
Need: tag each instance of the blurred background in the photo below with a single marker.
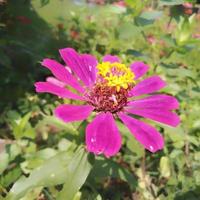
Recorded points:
(163, 33)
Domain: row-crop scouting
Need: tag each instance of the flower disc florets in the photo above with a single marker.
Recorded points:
(110, 92)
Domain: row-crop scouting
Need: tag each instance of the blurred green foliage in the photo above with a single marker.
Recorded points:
(44, 158)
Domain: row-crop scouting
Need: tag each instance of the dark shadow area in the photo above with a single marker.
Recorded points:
(189, 195)
(25, 40)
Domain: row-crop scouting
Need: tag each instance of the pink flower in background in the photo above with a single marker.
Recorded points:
(99, 2)
(187, 5)
(187, 8)
(24, 20)
(110, 90)
(151, 39)
(196, 35)
(74, 34)
(120, 3)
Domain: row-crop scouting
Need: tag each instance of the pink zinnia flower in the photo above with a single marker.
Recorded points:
(120, 3)
(24, 20)
(111, 90)
(151, 39)
(187, 5)
(196, 35)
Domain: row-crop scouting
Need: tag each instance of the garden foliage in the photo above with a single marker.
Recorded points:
(42, 157)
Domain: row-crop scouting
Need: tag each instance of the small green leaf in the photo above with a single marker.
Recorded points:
(171, 2)
(10, 177)
(11, 151)
(20, 125)
(197, 177)
(24, 121)
(148, 17)
(165, 167)
(44, 2)
(136, 5)
(128, 31)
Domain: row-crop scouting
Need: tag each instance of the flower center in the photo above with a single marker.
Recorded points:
(110, 93)
(115, 75)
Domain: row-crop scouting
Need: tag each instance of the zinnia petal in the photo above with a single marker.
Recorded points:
(139, 69)
(70, 113)
(102, 135)
(56, 90)
(111, 59)
(90, 62)
(155, 101)
(55, 81)
(148, 136)
(84, 66)
(62, 74)
(149, 85)
(157, 114)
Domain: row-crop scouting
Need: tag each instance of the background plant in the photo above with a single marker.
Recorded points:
(44, 158)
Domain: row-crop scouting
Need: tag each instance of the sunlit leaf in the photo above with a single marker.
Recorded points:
(54, 171)
(148, 17)
(78, 170)
(171, 2)
(165, 167)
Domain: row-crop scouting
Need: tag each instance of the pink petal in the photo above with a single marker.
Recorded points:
(158, 114)
(56, 90)
(83, 65)
(102, 135)
(111, 59)
(62, 74)
(148, 136)
(91, 62)
(55, 81)
(155, 101)
(71, 113)
(149, 85)
(139, 69)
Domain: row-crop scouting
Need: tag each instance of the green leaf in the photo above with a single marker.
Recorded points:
(32, 195)
(10, 177)
(109, 168)
(20, 125)
(5, 60)
(24, 121)
(51, 120)
(44, 2)
(117, 9)
(37, 159)
(165, 167)
(77, 196)
(78, 170)
(128, 31)
(136, 5)
(148, 17)
(54, 171)
(151, 15)
(197, 177)
(171, 2)
(10, 152)
(185, 29)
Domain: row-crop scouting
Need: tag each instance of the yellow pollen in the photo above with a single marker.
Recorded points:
(116, 75)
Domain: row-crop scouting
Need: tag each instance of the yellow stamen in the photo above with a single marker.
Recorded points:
(116, 75)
